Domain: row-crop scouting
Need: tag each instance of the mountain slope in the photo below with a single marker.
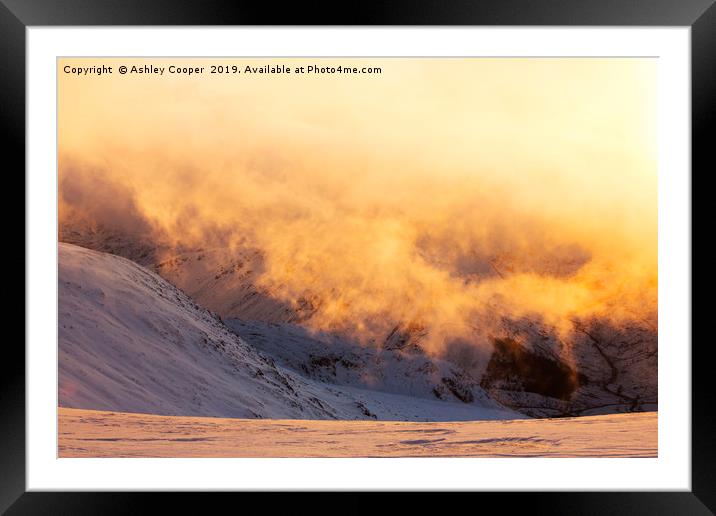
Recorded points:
(130, 341)
(600, 368)
(329, 358)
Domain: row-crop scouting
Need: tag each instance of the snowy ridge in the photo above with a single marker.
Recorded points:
(129, 341)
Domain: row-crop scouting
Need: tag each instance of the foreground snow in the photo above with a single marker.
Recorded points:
(91, 433)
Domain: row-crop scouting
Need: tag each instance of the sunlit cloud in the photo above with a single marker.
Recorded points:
(440, 192)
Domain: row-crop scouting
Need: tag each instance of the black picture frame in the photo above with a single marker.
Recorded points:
(17, 15)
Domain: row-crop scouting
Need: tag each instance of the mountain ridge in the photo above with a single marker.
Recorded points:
(131, 342)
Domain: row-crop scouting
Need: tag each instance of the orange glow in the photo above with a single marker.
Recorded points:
(439, 192)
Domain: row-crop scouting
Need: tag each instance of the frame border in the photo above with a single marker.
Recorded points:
(16, 15)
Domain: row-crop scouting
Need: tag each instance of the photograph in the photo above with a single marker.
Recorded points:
(357, 257)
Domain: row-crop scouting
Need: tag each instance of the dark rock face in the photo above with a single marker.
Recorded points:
(460, 389)
(406, 337)
(621, 363)
(512, 367)
(601, 368)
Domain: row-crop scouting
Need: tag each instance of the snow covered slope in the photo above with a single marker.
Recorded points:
(129, 341)
(226, 281)
(332, 359)
(600, 368)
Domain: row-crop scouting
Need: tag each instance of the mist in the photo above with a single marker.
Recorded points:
(445, 193)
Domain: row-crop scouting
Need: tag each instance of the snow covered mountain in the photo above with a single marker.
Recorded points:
(600, 368)
(129, 341)
(603, 368)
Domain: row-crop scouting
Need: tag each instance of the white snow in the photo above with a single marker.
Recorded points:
(88, 433)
